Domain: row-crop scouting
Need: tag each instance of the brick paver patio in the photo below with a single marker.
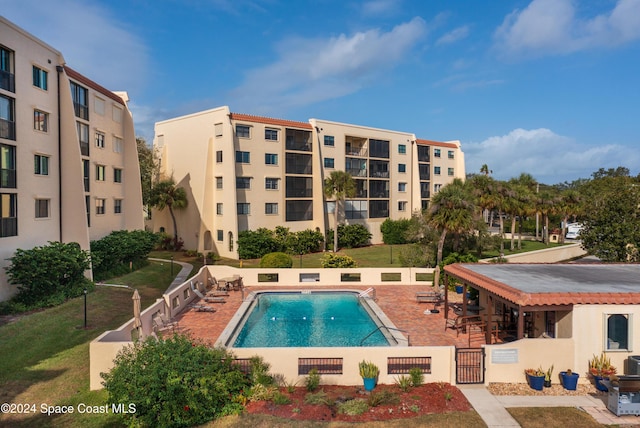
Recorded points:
(398, 302)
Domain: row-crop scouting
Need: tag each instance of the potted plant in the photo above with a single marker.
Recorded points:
(369, 373)
(600, 367)
(535, 378)
(569, 380)
(547, 377)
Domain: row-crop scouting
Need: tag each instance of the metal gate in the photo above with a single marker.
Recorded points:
(469, 365)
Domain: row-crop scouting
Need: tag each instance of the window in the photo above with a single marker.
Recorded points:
(424, 189)
(271, 159)
(298, 187)
(329, 140)
(618, 328)
(299, 210)
(83, 138)
(436, 170)
(298, 139)
(218, 128)
(7, 166)
(80, 98)
(378, 188)
(450, 172)
(242, 131)
(219, 208)
(243, 182)
(378, 169)
(243, 157)
(117, 175)
(8, 215)
(117, 144)
(7, 119)
(40, 121)
(42, 208)
(116, 114)
(85, 173)
(98, 106)
(402, 149)
(450, 154)
(271, 183)
(423, 153)
(41, 165)
(378, 209)
(219, 156)
(40, 78)
(402, 187)
(87, 205)
(7, 80)
(355, 209)
(117, 206)
(402, 205)
(328, 162)
(219, 235)
(271, 208)
(100, 172)
(218, 182)
(271, 134)
(100, 204)
(402, 167)
(298, 163)
(436, 153)
(378, 148)
(100, 140)
(244, 208)
(436, 188)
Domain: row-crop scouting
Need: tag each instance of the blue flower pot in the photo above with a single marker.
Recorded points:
(569, 382)
(459, 289)
(597, 380)
(369, 383)
(536, 382)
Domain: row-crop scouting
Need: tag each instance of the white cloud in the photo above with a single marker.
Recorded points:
(552, 27)
(313, 70)
(453, 36)
(89, 36)
(549, 157)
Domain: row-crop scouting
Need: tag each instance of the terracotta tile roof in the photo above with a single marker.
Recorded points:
(616, 292)
(435, 143)
(270, 121)
(93, 85)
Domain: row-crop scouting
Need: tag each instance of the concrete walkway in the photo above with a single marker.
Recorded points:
(185, 271)
(492, 408)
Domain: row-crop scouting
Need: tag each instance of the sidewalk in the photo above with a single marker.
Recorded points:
(492, 408)
(185, 270)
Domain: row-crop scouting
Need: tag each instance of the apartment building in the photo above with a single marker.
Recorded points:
(68, 159)
(244, 172)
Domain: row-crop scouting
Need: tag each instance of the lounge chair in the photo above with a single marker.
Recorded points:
(201, 308)
(161, 323)
(208, 299)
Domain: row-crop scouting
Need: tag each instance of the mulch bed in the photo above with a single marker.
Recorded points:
(425, 399)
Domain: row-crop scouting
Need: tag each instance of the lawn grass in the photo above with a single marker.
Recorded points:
(549, 417)
(45, 355)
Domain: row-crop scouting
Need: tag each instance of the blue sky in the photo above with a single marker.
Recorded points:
(548, 87)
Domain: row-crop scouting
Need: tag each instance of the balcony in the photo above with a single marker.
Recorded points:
(8, 178)
(7, 81)
(8, 227)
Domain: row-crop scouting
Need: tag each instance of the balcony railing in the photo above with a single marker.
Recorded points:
(8, 178)
(355, 151)
(7, 129)
(7, 81)
(357, 172)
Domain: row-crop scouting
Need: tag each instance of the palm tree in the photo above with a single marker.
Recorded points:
(452, 210)
(165, 194)
(523, 187)
(339, 185)
(569, 205)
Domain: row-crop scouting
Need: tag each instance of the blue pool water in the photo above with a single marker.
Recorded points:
(308, 320)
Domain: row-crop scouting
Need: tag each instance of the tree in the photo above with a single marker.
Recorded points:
(569, 205)
(166, 194)
(339, 185)
(611, 217)
(149, 168)
(523, 188)
(452, 210)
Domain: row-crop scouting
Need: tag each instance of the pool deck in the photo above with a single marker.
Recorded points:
(398, 302)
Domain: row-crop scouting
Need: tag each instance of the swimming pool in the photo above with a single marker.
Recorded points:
(311, 319)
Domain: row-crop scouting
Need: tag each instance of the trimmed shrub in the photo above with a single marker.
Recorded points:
(255, 244)
(49, 275)
(331, 260)
(276, 260)
(175, 382)
(417, 255)
(353, 236)
(113, 254)
(394, 231)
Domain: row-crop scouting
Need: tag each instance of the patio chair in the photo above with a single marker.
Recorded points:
(161, 323)
(201, 308)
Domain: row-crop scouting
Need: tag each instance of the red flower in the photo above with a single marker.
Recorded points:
(186, 408)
